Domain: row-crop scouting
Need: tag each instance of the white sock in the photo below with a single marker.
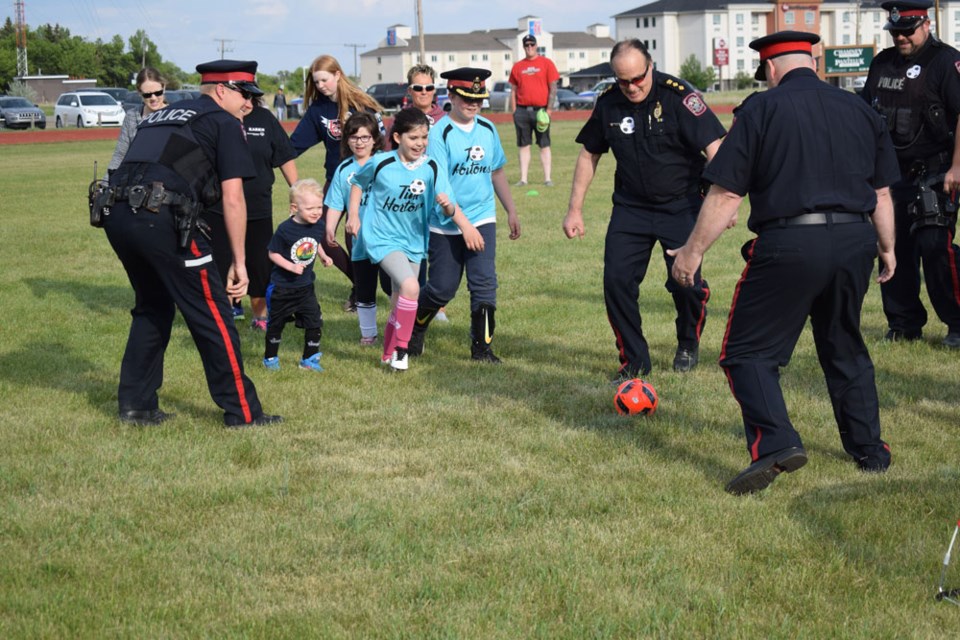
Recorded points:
(367, 317)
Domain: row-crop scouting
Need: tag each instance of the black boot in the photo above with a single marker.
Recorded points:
(482, 324)
(425, 315)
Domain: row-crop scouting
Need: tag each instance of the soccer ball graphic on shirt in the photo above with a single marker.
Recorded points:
(476, 153)
(417, 187)
(635, 398)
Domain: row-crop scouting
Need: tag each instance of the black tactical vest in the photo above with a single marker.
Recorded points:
(165, 138)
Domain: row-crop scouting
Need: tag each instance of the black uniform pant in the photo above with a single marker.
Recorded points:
(165, 277)
(821, 272)
(631, 236)
(933, 248)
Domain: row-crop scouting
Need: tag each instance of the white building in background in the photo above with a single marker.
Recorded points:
(675, 29)
(496, 49)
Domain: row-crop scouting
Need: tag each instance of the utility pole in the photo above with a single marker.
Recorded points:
(355, 47)
(21, 38)
(423, 50)
(223, 46)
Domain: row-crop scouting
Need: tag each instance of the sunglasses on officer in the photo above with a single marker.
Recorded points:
(420, 88)
(246, 95)
(637, 81)
(146, 95)
(903, 33)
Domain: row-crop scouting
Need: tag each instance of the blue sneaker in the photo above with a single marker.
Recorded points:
(312, 363)
(273, 364)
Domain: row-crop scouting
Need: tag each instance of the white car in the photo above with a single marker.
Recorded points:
(87, 109)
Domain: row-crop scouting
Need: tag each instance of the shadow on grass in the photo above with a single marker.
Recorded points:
(97, 298)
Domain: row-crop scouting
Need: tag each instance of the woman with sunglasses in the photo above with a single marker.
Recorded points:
(150, 86)
(330, 100)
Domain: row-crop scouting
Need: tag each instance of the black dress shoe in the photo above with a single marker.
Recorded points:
(761, 473)
(952, 340)
(260, 421)
(686, 359)
(145, 417)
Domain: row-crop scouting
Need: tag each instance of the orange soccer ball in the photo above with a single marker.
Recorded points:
(635, 398)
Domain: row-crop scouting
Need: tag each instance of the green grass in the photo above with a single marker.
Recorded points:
(455, 501)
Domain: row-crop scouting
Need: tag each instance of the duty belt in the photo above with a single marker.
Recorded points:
(150, 197)
(809, 219)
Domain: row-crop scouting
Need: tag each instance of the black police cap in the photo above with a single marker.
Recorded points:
(467, 82)
(905, 14)
(238, 73)
(781, 44)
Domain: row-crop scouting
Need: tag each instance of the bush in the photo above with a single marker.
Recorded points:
(697, 75)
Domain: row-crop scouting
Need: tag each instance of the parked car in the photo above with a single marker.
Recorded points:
(132, 100)
(176, 95)
(20, 113)
(389, 94)
(598, 88)
(567, 100)
(87, 108)
(116, 93)
(500, 96)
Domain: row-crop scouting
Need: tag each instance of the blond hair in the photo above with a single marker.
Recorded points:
(307, 185)
(349, 96)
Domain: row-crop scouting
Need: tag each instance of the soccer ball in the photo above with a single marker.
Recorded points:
(417, 187)
(476, 153)
(635, 398)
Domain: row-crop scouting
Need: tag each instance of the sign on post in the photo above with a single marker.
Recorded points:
(847, 61)
(721, 53)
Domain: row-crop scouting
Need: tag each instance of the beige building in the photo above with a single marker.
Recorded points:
(675, 29)
(496, 49)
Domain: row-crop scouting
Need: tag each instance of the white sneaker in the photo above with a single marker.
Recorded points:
(441, 316)
(399, 361)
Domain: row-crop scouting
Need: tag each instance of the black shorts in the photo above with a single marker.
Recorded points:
(525, 122)
(259, 233)
(299, 303)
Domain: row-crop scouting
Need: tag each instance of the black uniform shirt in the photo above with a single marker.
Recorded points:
(297, 243)
(270, 148)
(919, 96)
(775, 151)
(657, 143)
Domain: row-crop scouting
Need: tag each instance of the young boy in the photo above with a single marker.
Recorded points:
(293, 248)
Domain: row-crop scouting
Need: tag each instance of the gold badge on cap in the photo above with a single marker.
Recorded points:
(477, 85)
(895, 15)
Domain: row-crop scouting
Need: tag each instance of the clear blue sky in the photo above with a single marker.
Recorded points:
(285, 35)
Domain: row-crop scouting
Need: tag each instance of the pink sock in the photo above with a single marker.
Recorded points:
(406, 315)
(390, 335)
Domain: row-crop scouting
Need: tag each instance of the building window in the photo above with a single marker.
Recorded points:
(755, 19)
(433, 58)
(473, 57)
(740, 65)
(789, 18)
(740, 41)
(485, 57)
(846, 17)
(739, 18)
(646, 22)
(379, 77)
(378, 60)
(604, 54)
(653, 21)
(583, 55)
(638, 23)
(571, 55)
(506, 56)
(451, 58)
(956, 17)
(809, 17)
(716, 19)
(653, 45)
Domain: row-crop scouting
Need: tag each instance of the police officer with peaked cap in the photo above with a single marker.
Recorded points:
(661, 133)
(187, 156)
(915, 85)
(816, 162)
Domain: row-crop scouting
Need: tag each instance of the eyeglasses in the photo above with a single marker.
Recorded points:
(530, 44)
(246, 95)
(360, 139)
(154, 94)
(419, 88)
(906, 33)
(633, 81)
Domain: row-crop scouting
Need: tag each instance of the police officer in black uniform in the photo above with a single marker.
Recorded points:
(185, 157)
(816, 162)
(915, 85)
(662, 134)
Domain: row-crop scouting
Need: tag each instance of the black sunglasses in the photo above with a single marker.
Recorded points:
(906, 33)
(419, 88)
(246, 95)
(154, 94)
(633, 81)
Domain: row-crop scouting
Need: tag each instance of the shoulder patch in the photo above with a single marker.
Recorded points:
(695, 104)
(957, 65)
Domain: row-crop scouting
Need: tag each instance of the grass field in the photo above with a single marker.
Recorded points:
(456, 500)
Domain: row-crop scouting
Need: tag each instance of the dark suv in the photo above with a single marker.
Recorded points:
(390, 95)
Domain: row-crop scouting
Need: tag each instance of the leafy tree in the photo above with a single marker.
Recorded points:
(693, 72)
(743, 80)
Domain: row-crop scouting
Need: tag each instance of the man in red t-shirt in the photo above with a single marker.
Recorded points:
(534, 81)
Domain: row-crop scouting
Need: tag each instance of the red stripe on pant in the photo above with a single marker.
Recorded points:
(228, 344)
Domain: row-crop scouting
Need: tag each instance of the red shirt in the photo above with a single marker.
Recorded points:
(532, 79)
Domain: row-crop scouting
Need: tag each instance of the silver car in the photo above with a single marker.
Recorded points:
(87, 109)
(20, 113)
